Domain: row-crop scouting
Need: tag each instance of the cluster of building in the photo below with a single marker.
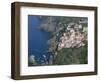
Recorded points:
(75, 36)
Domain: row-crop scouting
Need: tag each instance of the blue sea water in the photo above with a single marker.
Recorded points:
(37, 39)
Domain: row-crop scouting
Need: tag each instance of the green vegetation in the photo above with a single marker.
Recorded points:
(67, 56)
